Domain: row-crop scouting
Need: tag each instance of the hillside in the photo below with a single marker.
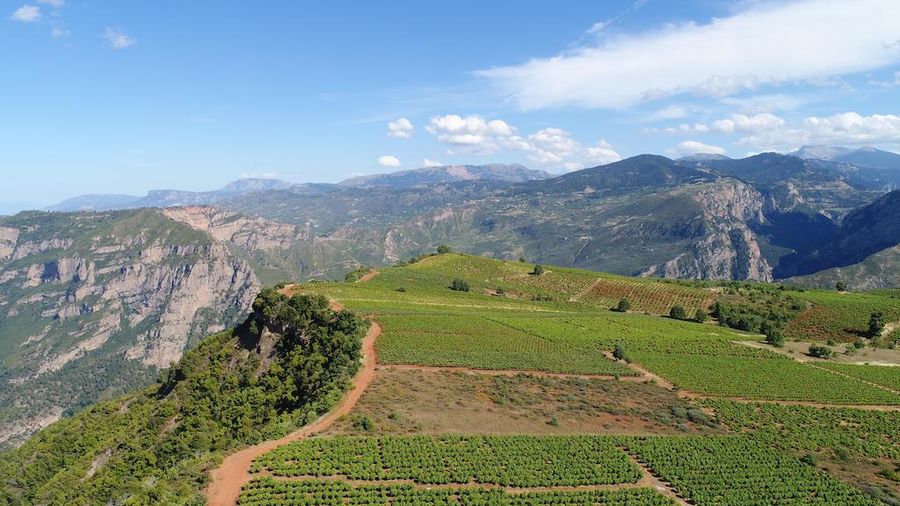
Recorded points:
(92, 304)
(511, 368)
(286, 364)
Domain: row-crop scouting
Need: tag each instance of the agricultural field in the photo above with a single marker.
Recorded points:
(841, 317)
(886, 376)
(646, 296)
(511, 461)
(729, 470)
(269, 491)
(507, 393)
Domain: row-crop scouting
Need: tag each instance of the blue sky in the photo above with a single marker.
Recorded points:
(123, 97)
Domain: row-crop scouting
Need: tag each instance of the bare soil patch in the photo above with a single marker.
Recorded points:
(417, 401)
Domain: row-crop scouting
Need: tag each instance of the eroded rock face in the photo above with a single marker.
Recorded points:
(729, 249)
(124, 292)
(251, 234)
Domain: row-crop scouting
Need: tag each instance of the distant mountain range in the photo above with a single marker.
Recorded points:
(397, 180)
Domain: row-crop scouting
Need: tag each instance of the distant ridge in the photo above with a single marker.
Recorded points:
(514, 173)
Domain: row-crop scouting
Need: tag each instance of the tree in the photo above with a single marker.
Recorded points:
(623, 305)
(443, 249)
(678, 312)
(619, 352)
(700, 316)
(459, 285)
(841, 286)
(876, 324)
(538, 270)
(818, 351)
(774, 336)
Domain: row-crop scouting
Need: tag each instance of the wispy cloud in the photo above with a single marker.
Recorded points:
(26, 14)
(117, 39)
(696, 147)
(805, 40)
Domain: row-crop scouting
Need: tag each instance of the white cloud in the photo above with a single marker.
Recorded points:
(401, 128)
(744, 123)
(388, 161)
(58, 31)
(548, 146)
(56, 4)
(887, 84)
(26, 14)
(693, 147)
(602, 153)
(431, 163)
(848, 128)
(473, 133)
(768, 43)
(117, 39)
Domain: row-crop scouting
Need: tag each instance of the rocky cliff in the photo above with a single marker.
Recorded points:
(91, 304)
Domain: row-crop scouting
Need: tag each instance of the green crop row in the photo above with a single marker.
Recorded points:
(517, 461)
(268, 491)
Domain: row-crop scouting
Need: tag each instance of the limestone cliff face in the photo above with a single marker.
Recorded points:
(729, 249)
(120, 291)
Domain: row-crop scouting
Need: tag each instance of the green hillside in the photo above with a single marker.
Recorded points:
(156, 445)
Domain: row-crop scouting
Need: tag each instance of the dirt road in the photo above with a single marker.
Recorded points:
(228, 479)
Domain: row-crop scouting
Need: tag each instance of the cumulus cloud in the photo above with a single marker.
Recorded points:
(388, 161)
(694, 147)
(804, 40)
(117, 39)
(744, 123)
(401, 128)
(848, 128)
(431, 163)
(548, 146)
(473, 133)
(26, 14)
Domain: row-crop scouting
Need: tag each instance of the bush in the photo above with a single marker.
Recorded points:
(701, 316)
(623, 305)
(538, 270)
(678, 313)
(840, 286)
(443, 249)
(459, 285)
(619, 352)
(820, 351)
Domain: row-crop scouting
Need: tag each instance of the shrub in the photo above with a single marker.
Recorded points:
(459, 285)
(678, 312)
(840, 286)
(623, 305)
(876, 324)
(700, 316)
(820, 351)
(538, 270)
(619, 352)
(443, 249)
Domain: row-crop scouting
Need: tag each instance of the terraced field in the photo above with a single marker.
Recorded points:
(841, 317)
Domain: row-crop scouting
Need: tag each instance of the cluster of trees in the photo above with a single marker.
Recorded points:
(441, 250)
(765, 319)
(678, 312)
(157, 445)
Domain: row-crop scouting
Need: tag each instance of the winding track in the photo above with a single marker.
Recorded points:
(234, 472)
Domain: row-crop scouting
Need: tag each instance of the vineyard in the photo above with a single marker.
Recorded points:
(728, 470)
(840, 317)
(869, 434)
(512, 461)
(479, 342)
(269, 491)
(654, 297)
(559, 321)
(886, 376)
